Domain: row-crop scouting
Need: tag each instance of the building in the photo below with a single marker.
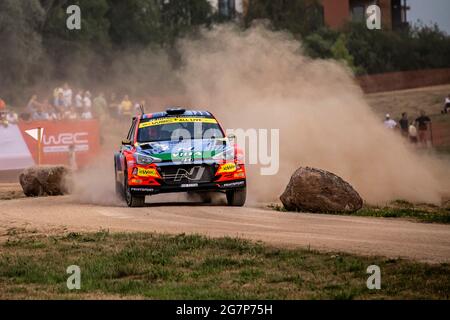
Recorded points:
(230, 8)
(339, 12)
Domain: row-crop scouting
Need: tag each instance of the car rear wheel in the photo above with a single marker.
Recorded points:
(131, 199)
(236, 198)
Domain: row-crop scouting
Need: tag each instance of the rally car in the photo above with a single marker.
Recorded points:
(179, 150)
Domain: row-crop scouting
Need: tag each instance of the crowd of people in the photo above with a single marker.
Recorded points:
(64, 103)
(418, 131)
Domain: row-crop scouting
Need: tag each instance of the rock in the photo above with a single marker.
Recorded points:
(315, 190)
(44, 181)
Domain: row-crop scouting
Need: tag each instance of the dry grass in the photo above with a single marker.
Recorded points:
(143, 265)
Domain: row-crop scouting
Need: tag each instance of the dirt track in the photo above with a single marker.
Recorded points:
(366, 236)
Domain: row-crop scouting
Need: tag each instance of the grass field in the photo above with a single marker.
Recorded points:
(140, 265)
(430, 99)
(399, 209)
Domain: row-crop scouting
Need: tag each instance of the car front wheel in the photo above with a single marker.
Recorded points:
(131, 199)
(236, 198)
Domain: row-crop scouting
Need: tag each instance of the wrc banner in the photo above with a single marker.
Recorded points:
(19, 143)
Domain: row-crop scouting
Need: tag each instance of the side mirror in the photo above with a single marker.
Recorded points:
(232, 138)
(126, 142)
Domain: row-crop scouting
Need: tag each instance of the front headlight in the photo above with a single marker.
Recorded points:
(145, 159)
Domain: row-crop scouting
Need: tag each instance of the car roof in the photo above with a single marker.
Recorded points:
(189, 113)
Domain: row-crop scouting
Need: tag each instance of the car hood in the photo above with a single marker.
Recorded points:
(197, 149)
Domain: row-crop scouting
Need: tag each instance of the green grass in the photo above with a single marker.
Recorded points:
(142, 265)
(398, 209)
(439, 216)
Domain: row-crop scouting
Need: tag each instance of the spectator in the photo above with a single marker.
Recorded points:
(40, 114)
(404, 124)
(423, 124)
(52, 112)
(12, 117)
(79, 102)
(137, 107)
(70, 114)
(58, 97)
(99, 105)
(33, 105)
(87, 102)
(389, 123)
(2, 105)
(72, 158)
(126, 107)
(59, 102)
(67, 95)
(412, 132)
(447, 105)
(87, 114)
(113, 106)
(55, 94)
(3, 120)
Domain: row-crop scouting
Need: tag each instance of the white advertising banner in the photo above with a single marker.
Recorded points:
(14, 152)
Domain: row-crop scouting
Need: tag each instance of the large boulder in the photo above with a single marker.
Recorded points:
(315, 190)
(44, 181)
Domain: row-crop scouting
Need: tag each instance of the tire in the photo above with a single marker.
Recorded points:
(131, 199)
(236, 198)
(119, 188)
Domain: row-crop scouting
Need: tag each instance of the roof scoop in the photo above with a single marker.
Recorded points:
(175, 111)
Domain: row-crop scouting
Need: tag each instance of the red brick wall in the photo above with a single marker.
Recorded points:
(336, 12)
(386, 13)
(403, 80)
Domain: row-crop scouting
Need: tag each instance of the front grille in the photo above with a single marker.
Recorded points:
(183, 174)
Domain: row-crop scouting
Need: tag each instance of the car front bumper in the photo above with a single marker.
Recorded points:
(209, 186)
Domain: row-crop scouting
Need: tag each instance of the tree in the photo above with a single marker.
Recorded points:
(180, 17)
(301, 17)
(340, 53)
(135, 22)
(22, 54)
(319, 44)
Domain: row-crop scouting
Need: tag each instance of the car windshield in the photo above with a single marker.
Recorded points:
(164, 129)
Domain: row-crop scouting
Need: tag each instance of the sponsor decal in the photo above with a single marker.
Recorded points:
(61, 142)
(59, 138)
(233, 184)
(66, 138)
(189, 185)
(227, 167)
(161, 121)
(150, 172)
(187, 154)
(142, 189)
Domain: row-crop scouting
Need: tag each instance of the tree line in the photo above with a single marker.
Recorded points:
(37, 46)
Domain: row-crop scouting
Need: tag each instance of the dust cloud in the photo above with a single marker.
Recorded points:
(260, 79)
